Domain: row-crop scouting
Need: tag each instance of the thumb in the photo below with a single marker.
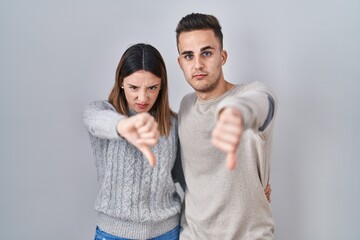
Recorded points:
(148, 154)
(231, 160)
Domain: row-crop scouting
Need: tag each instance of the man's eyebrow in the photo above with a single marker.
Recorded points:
(201, 50)
(206, 48)
(186, 52)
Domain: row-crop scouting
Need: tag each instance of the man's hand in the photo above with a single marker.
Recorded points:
(142, 131)
(227, 133)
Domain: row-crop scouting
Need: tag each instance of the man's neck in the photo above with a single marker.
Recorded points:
(220, 89)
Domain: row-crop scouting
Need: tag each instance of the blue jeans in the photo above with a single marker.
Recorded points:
(170, 235)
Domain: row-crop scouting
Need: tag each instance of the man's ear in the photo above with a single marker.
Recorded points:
(179, 61)
(224, 56)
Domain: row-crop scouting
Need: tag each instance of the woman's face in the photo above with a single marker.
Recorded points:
(141, 90)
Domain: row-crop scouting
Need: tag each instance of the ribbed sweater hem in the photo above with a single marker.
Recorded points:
(135, 230)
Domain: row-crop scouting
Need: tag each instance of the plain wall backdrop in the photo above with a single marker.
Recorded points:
(57, 56)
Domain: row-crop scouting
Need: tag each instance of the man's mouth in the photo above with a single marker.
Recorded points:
(199, 76)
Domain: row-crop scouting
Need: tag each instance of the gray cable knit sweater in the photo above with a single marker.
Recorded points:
(135, 200)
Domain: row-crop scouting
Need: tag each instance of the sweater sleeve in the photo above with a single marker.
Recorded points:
(100, 120)
(257, 104)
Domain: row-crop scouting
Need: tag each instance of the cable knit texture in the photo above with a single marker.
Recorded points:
(135, 200)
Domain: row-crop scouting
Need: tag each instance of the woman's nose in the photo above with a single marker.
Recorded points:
(143, 96)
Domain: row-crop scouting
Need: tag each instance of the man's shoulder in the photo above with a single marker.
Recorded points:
(189, 95)
(188, 98)
(255, 84)
(186, 102)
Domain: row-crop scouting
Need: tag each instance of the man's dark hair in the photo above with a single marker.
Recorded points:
(199, 21)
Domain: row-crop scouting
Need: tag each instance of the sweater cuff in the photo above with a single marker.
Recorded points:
(246, 113)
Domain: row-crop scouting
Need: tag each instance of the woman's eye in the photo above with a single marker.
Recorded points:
(133, 87)
(152, 88)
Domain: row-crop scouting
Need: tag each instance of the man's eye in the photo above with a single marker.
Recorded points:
(188, 57)
(206, 54)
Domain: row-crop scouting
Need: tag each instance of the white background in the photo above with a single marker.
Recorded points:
(57, 56)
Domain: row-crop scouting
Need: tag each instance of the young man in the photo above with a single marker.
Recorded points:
(225, 134)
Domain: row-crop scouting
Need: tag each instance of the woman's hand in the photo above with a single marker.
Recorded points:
(142, 131)
(268, 192)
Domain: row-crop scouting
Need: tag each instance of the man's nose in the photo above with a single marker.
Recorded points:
(198, 63)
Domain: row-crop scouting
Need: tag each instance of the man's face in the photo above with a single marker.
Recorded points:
(201, 59)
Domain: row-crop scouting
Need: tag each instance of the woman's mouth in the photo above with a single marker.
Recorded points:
(142, 105)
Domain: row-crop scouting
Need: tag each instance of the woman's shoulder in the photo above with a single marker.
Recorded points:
(100, 104)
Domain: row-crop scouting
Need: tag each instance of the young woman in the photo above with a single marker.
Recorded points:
(135, 144)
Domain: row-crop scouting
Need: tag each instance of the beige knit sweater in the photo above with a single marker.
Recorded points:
(222, 204)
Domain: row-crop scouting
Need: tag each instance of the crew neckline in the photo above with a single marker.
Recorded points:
(233, 88)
